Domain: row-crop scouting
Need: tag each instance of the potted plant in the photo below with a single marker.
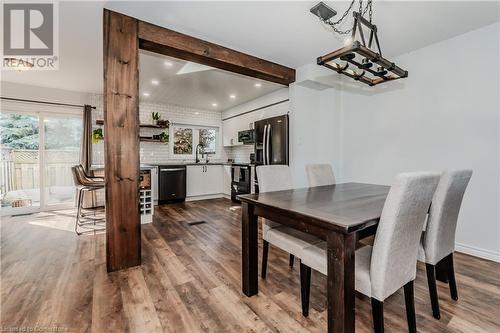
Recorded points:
(97, 135)
(155, 116)
(164, 136)
(163, 123)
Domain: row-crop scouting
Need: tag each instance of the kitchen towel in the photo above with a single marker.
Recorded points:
(236, 173)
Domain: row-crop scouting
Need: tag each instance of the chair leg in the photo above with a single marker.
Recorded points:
(78, 211)
(265, 251)
(410, 307)
(291, 259)
(378, 315)
(451, 278)
(431, 282)
(305, 288)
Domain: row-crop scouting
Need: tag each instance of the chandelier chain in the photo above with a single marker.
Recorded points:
(362, 11)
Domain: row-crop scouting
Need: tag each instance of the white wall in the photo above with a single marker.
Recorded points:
(314, 129)
(23, 91)
(446, 114)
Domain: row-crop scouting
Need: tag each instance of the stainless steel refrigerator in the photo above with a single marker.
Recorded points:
(271, 142)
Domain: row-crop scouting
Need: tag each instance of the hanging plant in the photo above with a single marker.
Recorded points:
(97, 135)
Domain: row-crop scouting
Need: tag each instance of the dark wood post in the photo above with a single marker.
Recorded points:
(121, 131)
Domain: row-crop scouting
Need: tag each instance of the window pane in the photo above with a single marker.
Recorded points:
(183, 141)
(207, 139)
(62, 151)
(19, 168)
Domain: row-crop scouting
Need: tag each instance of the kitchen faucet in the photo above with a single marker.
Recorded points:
(202, 153)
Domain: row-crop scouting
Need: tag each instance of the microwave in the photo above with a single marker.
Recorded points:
(247, 136)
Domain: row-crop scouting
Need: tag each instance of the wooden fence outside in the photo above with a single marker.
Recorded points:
(21, 171)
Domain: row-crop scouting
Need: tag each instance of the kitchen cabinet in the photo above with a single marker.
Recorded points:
(226, 181)
(230, 132)
(154, 183)
(231, 127)
(204, 180)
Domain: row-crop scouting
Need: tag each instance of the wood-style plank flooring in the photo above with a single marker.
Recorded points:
(190, 282)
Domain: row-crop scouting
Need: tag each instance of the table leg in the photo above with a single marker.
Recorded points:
(340, 283)
(249, 250)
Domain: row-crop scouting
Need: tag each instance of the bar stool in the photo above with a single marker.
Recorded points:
(86, 217)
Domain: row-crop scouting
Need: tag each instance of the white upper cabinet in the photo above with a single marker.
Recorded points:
(232, 126)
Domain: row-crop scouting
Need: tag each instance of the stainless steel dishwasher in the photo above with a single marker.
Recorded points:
(171, 183)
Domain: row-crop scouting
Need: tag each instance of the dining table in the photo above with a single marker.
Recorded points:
(340, 214)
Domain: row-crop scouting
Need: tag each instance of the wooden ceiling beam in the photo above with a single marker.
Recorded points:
(171, 43)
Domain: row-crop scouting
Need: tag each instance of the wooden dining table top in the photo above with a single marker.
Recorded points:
(345, 207)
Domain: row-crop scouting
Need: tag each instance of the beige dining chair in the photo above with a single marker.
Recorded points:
(320, 175)
(391, 263)
(278, 178)
(438, 240)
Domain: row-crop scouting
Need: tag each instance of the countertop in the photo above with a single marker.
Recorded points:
(201, 163)
(146, 166)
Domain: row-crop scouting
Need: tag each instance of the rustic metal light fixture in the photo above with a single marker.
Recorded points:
(359, 57)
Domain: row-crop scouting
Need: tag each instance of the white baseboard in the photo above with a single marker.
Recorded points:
(205, 197)
(478, 252)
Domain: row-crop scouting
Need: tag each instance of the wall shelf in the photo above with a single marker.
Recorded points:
(149, 139)
(101, 122)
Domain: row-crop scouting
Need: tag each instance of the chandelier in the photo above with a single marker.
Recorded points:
(358, 60)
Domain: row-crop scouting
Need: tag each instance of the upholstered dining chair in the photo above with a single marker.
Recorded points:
(320, 175)
(438, 240)
(392, 261)
(278, 178)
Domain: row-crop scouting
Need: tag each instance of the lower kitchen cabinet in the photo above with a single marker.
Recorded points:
(204, 180)
(226, 181)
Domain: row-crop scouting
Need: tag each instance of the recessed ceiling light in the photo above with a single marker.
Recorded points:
(145, 94)
(214, 105)
(196, 113)
(258, 85)
(168, 64)
(155, 82)
(232, 96)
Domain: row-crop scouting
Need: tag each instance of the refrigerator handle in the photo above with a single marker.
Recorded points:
(264, 145)
(268, 143)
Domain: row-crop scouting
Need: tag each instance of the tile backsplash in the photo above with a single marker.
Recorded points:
(151, 152)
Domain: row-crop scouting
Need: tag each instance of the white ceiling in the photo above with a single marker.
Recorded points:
(168, 80)
(284, 32)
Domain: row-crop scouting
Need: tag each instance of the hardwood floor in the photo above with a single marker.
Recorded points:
(190, 282)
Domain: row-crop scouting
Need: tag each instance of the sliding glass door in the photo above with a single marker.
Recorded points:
(62, 135)
(38, 151)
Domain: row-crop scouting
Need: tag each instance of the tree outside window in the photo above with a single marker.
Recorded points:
(183, 141)
(207, 139)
